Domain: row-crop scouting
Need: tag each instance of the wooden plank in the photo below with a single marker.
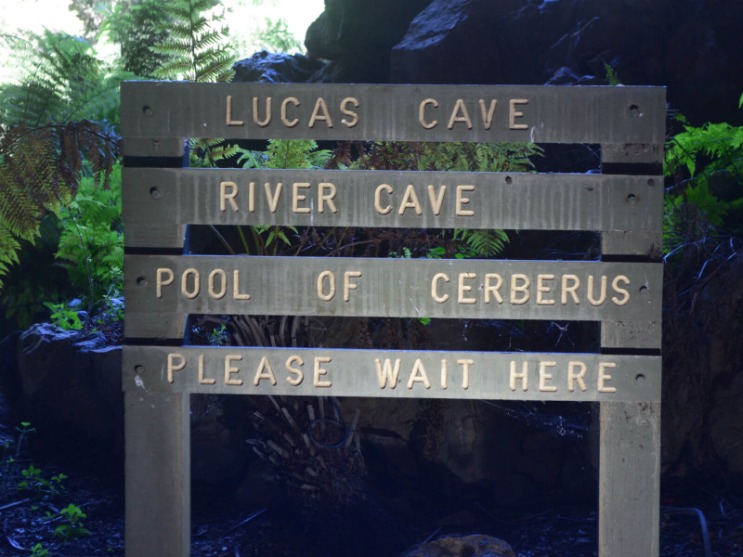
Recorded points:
(632, 153)
(452, 288)
(158, 490)
(155, 325)
(154, 147)
(480, 113)
(389, 199)
(391, 373)
(629, 479)
(154, 234)
(647, 244)
(631, 334)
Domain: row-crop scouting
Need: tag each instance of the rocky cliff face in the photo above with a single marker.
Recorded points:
(691, 46)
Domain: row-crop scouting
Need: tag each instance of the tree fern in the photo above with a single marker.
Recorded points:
(136, 26)
(286, 153)
(62, 81)
(194, 49)
(48, 133)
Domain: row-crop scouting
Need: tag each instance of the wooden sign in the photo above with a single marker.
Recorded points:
(521, 201)
(622, 292)
(480, 113)
(393, 374)
(347, 287)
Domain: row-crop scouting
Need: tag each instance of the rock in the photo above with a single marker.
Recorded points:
(391, 460)
(475, 545)
(350, 26)
(566, 76)
(219, 453)
(726, 428)
(691, 46)
(60, 387)
(356, 36)
(274, 67)
(45, 358)
(688, 45)
(9, 377)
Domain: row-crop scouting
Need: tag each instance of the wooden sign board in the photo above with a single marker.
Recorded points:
(466, 200)
(622, 292)
(480, 113)
(347, 287)
(393, 374)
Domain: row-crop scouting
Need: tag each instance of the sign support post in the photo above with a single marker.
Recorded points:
(629, 459)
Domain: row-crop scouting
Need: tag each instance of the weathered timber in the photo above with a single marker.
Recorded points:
(389, 199)
(629, 479)
(629, 441)
(384, 287)
(158, 474)
(392, 373)
(473, 113)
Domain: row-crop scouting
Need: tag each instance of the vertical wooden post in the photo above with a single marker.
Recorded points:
(158, 492)
(157, 426)
(629, 479)
(629, 460)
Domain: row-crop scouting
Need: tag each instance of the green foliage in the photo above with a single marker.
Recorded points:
(207, 153)
(64, 317)
(137, 26)
(611, 76)
(40, 486)
(480, 243)
(36, 278)
(72, 527)
(276, 37)
(91, 245)
(219, 335)
(194, 49)
(39, 490)
(62, 80)
(38, 550)
(706, 166)
(478, 157)
(11, 456)
(286, 153)
(281, 153)
(91, 14)
(462, 157)
(718, 146)
(47, 136)
(22, 202)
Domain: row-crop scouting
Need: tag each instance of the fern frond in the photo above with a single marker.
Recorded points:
(482, 243)
(62, 81)
(295, 153)
(206, 153)
(9, 248)
(194, 48)
(39, 172)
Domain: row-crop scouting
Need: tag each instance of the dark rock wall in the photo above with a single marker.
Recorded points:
(358, 35)
(693, 47)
